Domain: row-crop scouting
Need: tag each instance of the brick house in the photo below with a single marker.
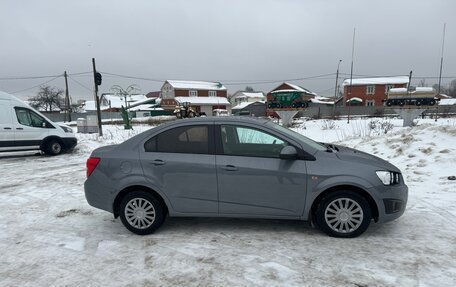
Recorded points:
(203, 96)
(371, 91)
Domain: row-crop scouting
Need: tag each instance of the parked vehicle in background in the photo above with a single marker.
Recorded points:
(185, 110)
(242, 167)
(420, 96)
(23, 128)
(288, 99)
(220, 113)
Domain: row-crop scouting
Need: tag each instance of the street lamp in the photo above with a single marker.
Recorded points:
(335, 90)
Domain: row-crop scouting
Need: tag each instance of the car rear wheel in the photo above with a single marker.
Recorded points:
(344, 214)
(141, 212)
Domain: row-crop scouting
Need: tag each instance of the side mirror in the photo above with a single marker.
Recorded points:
(288, 152)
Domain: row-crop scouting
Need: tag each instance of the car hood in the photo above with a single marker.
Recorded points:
(353, 155)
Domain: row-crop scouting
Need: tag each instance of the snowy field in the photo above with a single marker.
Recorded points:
(50, 236)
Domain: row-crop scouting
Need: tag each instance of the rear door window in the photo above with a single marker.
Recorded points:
(188, 139)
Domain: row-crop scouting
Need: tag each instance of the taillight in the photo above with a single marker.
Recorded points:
(91, 164)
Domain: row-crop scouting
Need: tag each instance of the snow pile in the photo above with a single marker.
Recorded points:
(50, 236)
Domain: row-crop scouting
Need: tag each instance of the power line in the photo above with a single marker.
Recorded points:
(80, 84)
(132, 77)
(81, 73)
(20, 91)
(30, 77)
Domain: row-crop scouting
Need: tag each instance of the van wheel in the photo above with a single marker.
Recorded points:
(141, 212)
(53, 147)
(343, 214)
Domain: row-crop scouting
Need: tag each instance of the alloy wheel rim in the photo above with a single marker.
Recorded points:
(140, 213)
(344, 215)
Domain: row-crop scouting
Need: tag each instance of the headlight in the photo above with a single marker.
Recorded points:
(67, 129)
(388, 177)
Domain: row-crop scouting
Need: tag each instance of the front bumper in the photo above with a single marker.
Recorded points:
(391, 201)
(69, 143)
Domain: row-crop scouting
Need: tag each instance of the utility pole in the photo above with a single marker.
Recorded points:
(351, 77)
(67, 99)
(97, 81)
(410, 83)
(335, 90)
(441, 58)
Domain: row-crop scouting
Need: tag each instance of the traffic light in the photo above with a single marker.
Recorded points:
(97, 79)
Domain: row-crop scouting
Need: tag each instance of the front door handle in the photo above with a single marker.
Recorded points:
(19, 129)
(229, 167)
(6, 128)
(158, 162)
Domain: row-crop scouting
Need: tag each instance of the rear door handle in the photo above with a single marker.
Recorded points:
(158, 162)
(229, 167)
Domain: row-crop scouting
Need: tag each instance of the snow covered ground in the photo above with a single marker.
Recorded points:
(50, 236)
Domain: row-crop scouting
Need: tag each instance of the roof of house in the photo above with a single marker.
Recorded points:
(243, 94)
(203, 100)
(116, 102)
(196, 85)
(322, 100)
(294, 88)
(154, 94)
(377, 81)
(246, 104)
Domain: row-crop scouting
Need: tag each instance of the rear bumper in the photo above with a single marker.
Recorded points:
(98, 192)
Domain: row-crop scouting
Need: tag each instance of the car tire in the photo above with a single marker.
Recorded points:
(53, 147)
(344, 214)
(141, 212)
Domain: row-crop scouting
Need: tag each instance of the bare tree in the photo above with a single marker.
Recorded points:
(48, 99)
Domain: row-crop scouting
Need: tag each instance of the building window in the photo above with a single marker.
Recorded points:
(370, 90)
(212, 94)
(193, 93)
(387, 88)
(370, 103)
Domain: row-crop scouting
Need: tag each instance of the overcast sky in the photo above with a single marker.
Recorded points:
(236, 42)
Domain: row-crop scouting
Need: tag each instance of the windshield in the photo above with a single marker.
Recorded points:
(300, 137)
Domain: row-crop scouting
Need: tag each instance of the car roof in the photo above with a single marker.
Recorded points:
(229, 119)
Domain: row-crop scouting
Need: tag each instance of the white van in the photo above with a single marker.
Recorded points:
(24, 128)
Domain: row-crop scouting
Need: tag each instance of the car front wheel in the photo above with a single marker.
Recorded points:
(344, 214)
(141, 212)
(53, 147)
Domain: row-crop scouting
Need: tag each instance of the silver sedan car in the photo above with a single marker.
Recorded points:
(242, 167)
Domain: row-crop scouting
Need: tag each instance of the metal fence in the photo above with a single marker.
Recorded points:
(318, 112)
(315, 112)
